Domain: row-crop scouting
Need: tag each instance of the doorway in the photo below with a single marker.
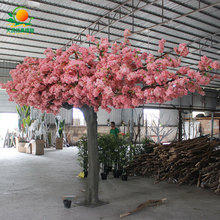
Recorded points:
(8, 127)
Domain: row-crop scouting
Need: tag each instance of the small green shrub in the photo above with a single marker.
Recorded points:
(113, 151)
(145, 147)
(83, 153)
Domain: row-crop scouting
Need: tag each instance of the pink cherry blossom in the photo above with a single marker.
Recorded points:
(182, 50)
(127, 33)
(204, 63)
(215, 65)
(105, 75)
(161, 45)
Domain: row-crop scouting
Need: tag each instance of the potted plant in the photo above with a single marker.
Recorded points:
(20, 144)
(60, 124)
(111, 150)
(83, 154)
(38, 143)
(108, 122)
(107, 144)
(38, 147)
(124, 175)
(103, 155)
(124, 155)
(24, 124)
(120, 154)
(116, 155)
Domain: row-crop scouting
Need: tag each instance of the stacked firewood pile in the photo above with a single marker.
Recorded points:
(210, 175)
(195, 161)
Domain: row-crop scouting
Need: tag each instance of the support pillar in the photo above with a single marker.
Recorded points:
(212, 125)
(180, 126)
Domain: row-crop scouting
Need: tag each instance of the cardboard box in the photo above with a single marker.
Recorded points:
(28, 148)
(20, 146)
(59, 143)
(37, 147)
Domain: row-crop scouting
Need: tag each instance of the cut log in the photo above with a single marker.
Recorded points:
(148, 203)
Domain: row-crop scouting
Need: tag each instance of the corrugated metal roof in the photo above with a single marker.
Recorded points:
(58, 22)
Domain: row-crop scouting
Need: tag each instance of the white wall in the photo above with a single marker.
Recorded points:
(114, 115)
(65, 114)
(195, 100)
(127, 115)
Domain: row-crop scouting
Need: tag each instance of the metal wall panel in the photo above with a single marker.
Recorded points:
(114, 115)
(65, 114)
(127, 115)
(5, 105)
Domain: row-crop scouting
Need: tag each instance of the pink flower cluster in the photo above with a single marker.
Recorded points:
(104, 75)
(182, 50)
(161, 45)
(207, 64)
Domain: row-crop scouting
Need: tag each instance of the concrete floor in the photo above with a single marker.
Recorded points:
(31, 188)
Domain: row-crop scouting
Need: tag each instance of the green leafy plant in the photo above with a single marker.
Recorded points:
(145, 147)
(24, 119)
(123, 149)
(106, 145)
(60, 125)
(83, 153)
(49, 138)
(38, 127)
(24, 115)
(113, 151)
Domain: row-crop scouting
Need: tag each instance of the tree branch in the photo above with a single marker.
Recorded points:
(157, 85)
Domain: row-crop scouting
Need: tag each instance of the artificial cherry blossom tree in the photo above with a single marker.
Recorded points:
(104, 76)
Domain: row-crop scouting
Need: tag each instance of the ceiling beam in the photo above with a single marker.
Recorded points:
(106, 8)
(177, 12)
(157, 38)
(19, 50)
(141, 47)
(15, 55)
(32, 39)
(181, 3)
(173, 19)
(103, 16)
(110, 23)
(23, 44)
(151, 13)
(91, 13)
(11, 60)
(176, 107)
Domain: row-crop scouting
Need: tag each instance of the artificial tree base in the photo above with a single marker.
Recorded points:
(72, 199)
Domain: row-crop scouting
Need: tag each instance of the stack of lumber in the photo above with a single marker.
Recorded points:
(185, 162)
(210, 175)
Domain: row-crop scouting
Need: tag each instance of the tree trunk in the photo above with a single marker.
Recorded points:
(92, 197)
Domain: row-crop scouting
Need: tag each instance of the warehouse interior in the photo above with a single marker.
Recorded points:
(35, 181)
